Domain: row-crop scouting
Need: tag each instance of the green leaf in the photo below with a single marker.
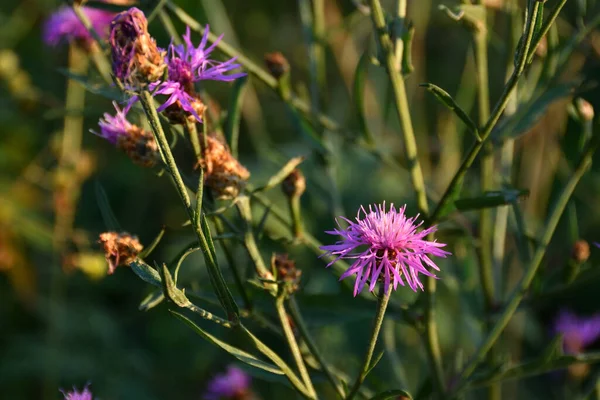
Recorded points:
(281, 174)
(531, 112)
(241, 355)
(189, 249)
(392, 395)
(471, 14)
(374, 363)
(359, 99)
(305, 128)
(232, 124)
(449, 102)
(491, 199)
(111, 222)
(170, 290)
(152, 300)
(147, 250)
(146, 273)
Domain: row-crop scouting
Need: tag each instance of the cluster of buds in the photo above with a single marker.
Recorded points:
(119, 249)
(137, 60)
(223, 173)
(286, 272)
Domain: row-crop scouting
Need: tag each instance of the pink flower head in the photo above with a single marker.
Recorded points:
(578, 332)
(64, 25)
(385, 245)
(75, 395)
(113, 127)
(233, 384)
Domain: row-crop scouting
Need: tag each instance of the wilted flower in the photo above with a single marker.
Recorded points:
(277, 64)
(578, 332)
(286, 271)
(233, 384)
(386, 247)
(64, 25)
(75, 395)
(222, 172)
(119, 249)
(137, 60)
(136, 142)
(581, 251)
(186, 65)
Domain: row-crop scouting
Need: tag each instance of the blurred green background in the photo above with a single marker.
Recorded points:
(64, 322)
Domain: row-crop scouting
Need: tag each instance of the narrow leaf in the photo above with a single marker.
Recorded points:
(241, 355)
(152, 300)
(146, 272)
(98, 88)
(111, 222)
(393, 395)
(360, 77)
(234, 113)
(170, 289)
(150, 248)
(449, 102)
(491, 199)
(281, 174)
(374, 363)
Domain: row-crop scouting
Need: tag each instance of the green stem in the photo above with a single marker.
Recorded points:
(401, 101)
(495, 115)
(545, 29)
(432, 343)
(293, 344)
(399, 44)
(536, 261)
(310, 343)
(295, 213)
(243, 206)
(193, 133)
(382, 303)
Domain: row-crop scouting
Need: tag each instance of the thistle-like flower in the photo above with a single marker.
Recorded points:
(578, 332)
(386, 247)
(188, 64)
(75, 395)
(136, 142)
(119, 249)
(137, 60)
(222, 172)
(233, 384)
(64, 25)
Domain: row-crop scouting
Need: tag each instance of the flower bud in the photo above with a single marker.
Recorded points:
(277, 64)
(119, 249)
(222, 172)
(294, 184)
(136, 58)
(585, 109)
(286, 271)
(581, 251)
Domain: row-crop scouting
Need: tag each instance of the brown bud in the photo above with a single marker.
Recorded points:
(222, 172)
(294, 184)
(585, 109)
(140, 146)
(286, 271)
(177, 115)
(119, 249)
(581, 251)
(277, 64)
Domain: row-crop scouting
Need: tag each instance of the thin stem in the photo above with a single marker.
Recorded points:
(432, 343)
(545, 29)
(495, 115)
(293, 344)
(536, 261)
(294, 206)
(190, 126)
(401, 101)
(243, 205)
(399, 44)
(382, 303)
(310, 343)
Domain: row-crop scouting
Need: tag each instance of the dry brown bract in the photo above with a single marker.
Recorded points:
(119, 249)
(222, 172)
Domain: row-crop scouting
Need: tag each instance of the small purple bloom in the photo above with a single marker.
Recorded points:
(578, 332)
(113, 127)
(64, 25)
(233, 384)
(385, 245)
(75, 395)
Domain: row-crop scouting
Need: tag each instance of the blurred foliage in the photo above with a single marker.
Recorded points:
(63, 321)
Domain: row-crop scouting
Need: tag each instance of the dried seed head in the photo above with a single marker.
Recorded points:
(277, 64)
(140, 146)
(585, 109)
(137, 60)
(294, 184)
(286, 271)
(177, 115)
(581, 251)
(222, 172)
(119, 249)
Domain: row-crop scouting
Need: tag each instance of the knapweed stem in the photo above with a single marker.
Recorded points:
(382, 303)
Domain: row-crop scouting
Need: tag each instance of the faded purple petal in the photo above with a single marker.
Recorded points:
(234, 382)
(112, 127)
(387, 247)
(578, 332)
(75, 395)
(64, 25)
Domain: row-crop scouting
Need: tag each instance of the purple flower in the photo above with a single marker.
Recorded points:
(114, 127)
(578, 332)
(234, 383)
(75, 395)
(385, 245)
(63, 24)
